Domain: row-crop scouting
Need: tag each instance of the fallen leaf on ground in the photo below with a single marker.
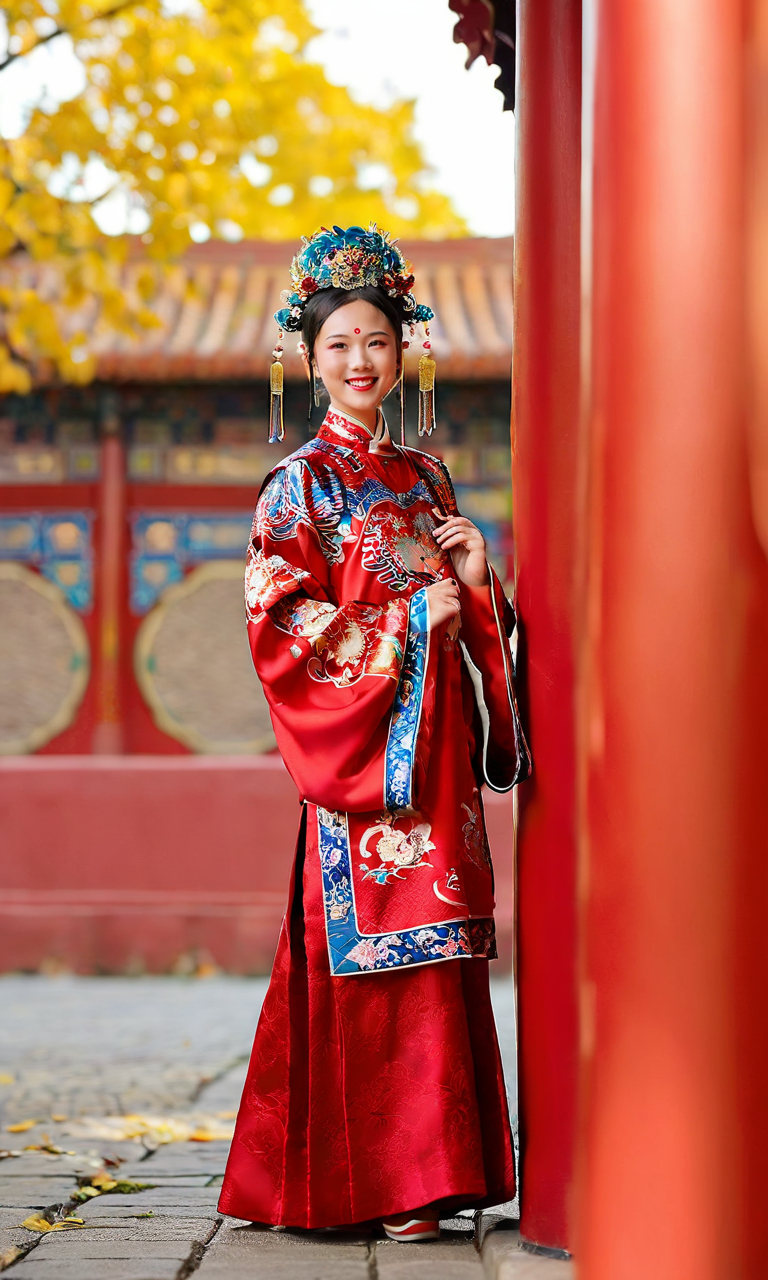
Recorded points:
(10, 1256)
(58, 1118)
(7, 1078)
(36, 1222)
(21, 1126)
(154, 1131)
(149, 1214)
(85, 1193)
(6, 1155)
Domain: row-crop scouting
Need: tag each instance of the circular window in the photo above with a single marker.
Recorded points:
(194, 666)
(44, 661)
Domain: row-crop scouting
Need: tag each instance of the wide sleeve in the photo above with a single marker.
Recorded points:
(350, 683)
(488, 625)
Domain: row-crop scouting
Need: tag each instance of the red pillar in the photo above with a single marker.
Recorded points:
(110, 577)
(545, 433)
(674, 680)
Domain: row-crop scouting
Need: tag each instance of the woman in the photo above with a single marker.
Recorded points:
(380, 634)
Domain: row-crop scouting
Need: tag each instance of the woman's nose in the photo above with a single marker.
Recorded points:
(360, 359)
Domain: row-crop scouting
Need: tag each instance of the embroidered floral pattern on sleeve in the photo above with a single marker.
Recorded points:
(267, 580)
(351, 952)
(360, 640)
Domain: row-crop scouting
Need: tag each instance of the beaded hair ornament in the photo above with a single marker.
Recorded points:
(348, 260)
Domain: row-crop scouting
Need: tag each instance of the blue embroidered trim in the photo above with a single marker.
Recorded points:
(352, 952)
(406, 711)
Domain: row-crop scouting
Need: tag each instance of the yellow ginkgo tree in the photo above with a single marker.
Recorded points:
(198, 118)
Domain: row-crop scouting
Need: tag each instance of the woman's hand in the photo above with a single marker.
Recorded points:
(466, 545)
(444, 603)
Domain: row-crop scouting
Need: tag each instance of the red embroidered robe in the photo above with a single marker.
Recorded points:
(388, 729)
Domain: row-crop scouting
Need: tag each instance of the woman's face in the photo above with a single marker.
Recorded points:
(356, 357)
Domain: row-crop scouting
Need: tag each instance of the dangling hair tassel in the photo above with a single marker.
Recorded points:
(402, 406)
(276, 428)
(426, 389)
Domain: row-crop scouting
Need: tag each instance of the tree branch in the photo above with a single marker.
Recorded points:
(62, 31)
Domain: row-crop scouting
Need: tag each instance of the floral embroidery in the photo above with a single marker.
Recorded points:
(360, 640)
(352, 952)
(402, 550)
(406, 712)
(267, 580)
(398, 850)
(304, 617)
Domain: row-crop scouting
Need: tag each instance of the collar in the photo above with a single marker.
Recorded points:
(354, 432)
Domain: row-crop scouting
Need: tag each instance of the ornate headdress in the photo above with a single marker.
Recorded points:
(349, 260)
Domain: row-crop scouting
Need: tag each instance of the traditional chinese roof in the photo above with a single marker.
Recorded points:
(216, 306)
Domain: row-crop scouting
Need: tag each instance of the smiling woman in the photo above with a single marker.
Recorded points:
(354, 344)
(381, 637)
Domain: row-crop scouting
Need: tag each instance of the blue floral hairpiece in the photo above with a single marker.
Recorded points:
(347, 260)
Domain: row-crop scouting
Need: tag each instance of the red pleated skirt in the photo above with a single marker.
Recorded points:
(367, 1095)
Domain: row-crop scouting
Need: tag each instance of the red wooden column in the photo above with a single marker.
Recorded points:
(674, 680)
(545, 431)
(110, 580)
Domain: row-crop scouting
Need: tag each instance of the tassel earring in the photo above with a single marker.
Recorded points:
(276, 428)
(426, 388)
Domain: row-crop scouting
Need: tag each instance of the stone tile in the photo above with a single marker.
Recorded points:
(180, 1159)
(451, 1259)
(503, 1259)
(247, 1253)
(35, 1193)
(66, 1245)
(149, 1229)
(37, 1267)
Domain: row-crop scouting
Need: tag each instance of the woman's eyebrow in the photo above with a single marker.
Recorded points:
(376, 333)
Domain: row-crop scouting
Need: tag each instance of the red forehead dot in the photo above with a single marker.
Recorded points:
(357, 330)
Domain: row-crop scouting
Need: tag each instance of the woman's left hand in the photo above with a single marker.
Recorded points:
(466, 545)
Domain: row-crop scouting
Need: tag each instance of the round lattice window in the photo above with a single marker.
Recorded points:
(194, 666)
(44, 661)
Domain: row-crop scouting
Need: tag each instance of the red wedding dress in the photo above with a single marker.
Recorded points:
(375, 1085)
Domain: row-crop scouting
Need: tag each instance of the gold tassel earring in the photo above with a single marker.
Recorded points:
(276, 428)
(426, 388)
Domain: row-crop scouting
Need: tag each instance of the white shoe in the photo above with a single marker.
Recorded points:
(414, 1229)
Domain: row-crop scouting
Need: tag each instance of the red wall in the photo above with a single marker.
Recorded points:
(115, 863)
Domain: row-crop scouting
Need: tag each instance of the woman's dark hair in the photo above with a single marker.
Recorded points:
(323, 304)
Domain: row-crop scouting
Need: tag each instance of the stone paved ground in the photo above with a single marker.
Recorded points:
(82, 1049)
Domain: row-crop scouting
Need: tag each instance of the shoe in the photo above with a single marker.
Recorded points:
(414, 1229)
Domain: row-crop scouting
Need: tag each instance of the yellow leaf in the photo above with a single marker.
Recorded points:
(5, 1078)
(9, 1256)
(58, 1118)
(7, 189)
(36, 1222)
(21, 1126)
(103, 1182)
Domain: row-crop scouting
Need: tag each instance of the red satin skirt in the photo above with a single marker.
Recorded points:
(367, 1095)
